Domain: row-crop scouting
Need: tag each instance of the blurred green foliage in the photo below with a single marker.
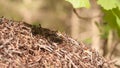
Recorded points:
(111, 12)
(88, 41)
(80, 3)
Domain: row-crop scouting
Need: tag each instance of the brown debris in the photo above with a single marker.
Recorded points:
(26, 46)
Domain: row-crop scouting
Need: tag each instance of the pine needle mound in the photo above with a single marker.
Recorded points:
(27, 46)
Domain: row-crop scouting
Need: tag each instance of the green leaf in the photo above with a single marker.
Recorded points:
(104, 30)
(118, 21)
(118, 4)
(108, 4)
(110, 18)
(79, 3)
(116, 11)
(117, 18)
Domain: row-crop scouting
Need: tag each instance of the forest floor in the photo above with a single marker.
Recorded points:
(27, 46)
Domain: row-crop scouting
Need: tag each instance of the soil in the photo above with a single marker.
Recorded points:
(27, 46)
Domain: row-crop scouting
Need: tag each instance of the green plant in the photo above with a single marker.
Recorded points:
(110, 8)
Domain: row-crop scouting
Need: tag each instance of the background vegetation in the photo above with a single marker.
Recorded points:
(95, 22)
